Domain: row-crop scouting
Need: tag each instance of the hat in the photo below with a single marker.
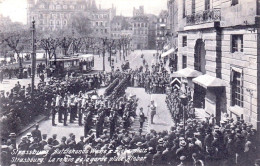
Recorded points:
(182, 158)
(160, 141)
(183, 143)
(139, 144)
(29, 134)
(222, 122)
(12, 135)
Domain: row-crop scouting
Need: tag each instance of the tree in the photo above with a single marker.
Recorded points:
(81, 24)
(17, 42)
(65, 43)
(77, 44)
(49, 45)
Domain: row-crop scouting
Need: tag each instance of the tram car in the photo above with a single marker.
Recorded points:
(86, 62)
(62, 66)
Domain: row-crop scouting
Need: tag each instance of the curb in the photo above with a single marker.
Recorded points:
(31, 125)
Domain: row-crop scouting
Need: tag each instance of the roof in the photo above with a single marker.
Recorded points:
(65, 59)
(208, 81)
(86, 55)
(188, 72)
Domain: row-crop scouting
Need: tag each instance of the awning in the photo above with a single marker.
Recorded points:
(170, 51)
(208, 81)
(188, 72)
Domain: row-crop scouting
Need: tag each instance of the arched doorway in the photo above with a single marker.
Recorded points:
(199, 65)
(200, 56)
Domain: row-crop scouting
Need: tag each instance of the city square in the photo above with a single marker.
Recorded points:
(175, 83)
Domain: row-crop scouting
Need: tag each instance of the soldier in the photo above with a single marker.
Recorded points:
(65, 110)
(141, 118)
(58, 107)
(53, 111)
(80, 107)
(152, 110)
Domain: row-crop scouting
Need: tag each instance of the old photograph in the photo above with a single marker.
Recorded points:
(130, 82)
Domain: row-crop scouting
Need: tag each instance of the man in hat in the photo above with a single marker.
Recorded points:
(36, 132)
(55, 142)
(13, 139)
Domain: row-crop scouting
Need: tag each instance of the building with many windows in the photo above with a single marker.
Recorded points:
(219, 52)
(140, 26)
(55, 14)
(161, 30)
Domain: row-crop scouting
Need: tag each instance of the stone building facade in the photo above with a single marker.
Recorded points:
(219, 50)
(140, 26)
(51, 15)
(172, 23)
(161, 30)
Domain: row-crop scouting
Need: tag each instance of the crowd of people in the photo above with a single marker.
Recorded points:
(18, 107)
(154, 80)
(177, 109)
(197, 143)
(108, 138)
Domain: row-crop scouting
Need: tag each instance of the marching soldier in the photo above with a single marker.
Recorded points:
(58, 107)
(53, 111)
(80, 110)
(65, 110)
(152, 110)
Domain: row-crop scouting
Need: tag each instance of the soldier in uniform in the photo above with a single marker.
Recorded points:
(65, 110)
(80, 107)
(53, 111)
(58, 107)
(152, 110)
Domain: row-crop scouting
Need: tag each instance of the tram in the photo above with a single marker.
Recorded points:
(86, 62)
(66, 65)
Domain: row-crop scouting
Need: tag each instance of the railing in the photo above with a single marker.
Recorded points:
(206, 16)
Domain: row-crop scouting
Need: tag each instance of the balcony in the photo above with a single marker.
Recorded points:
(207, 16)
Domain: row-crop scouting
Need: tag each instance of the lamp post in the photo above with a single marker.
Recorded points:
(184, 101)
(33, 56)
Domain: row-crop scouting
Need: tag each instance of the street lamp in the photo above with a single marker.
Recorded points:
(184, 101)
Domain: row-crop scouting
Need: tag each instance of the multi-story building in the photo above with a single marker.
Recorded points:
(140, 32)
(101, 20)
(219, 55)
(172, 23)
(152, 31)
(55, 14)
(120, 27)
(161, 30)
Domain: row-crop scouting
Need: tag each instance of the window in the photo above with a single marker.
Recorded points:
(101, 23)
(96, 23)
(184, 41)
(237, 88)
(237, 43)
(207, 4)
(105, 30)
(65, 22)
(193, 7)
(234, 2)
(64, 6)
(58, 7)
(184, 61)
(183, 8)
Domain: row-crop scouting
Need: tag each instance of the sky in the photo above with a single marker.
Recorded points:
(16, 9)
